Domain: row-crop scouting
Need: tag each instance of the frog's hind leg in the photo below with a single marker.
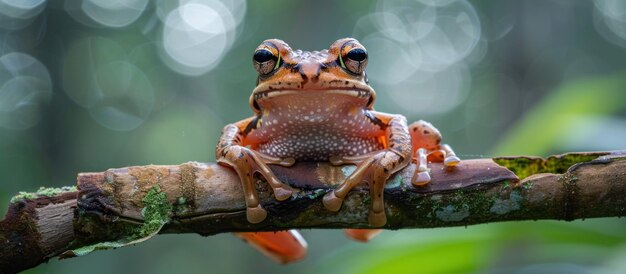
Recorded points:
(426, 143)
(281, 246)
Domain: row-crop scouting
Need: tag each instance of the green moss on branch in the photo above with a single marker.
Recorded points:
(42, 192)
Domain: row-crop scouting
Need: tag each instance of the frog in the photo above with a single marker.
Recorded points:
(318, 106)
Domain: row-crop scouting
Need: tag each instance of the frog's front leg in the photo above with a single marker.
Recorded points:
(376, 168)
(426, 143)
(231, 151)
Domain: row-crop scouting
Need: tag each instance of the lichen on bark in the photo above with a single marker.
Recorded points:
(156, 213)
(42, 191)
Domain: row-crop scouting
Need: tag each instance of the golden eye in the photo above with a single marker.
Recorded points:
(265, 61)
(354, 61)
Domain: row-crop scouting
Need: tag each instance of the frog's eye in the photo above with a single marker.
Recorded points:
(265, 61)
(354, 61)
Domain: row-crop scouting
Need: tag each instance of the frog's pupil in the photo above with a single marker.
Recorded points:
(357, 55)
(263, 56)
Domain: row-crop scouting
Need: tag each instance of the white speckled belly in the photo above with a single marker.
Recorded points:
(313, 130)
(318, 146)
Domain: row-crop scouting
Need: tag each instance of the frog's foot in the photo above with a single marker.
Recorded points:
(422, 175)
(450, 158)
(281, 246)
(376, 169)
(247, 163)
(332, 202)
(377, 219)
(442, 154)
(362, 235)
(421, 178)
(256, 214)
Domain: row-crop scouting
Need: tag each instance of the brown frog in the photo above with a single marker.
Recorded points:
(317, 106)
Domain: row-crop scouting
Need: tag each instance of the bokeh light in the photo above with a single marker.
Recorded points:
(95, 84)
(103, 13)
(498, 21)
(17, 14)
(197, 34)
(25, 88)
(126, 96)
(611, 20)
(97, 76)
(415, 44)
(116, 13)
(82, 60)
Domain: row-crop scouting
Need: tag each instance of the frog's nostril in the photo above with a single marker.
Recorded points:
(309, 71)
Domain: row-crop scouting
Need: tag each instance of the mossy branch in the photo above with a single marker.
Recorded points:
(128, 205)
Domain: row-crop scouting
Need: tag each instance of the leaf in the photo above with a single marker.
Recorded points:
(540, 131)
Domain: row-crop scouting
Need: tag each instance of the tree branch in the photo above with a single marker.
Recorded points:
(128, 205)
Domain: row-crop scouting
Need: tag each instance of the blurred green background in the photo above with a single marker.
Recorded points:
(90, 85)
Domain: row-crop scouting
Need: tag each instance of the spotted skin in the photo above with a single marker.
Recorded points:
(427, 147)
(317, 106)
(316, 129)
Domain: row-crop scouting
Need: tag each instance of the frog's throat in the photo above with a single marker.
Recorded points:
(353, 92)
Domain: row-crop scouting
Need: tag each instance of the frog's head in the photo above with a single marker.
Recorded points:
(335, 74)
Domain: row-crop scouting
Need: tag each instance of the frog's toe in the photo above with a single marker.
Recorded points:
(421, 178)
(451, 161)
(377, 219)
(336, 160)
(256, 214)
(287, 162)
(283, 193)
(362, 235)
(332, 202)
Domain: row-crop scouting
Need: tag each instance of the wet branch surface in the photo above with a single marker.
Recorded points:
(125, 206)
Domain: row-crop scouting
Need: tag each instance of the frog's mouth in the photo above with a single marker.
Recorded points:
(352, 92)
(356, 96)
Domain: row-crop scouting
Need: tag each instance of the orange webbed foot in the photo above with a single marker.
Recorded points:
(362, 235)
(281, 246)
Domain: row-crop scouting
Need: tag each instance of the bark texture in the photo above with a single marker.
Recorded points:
(128, 205)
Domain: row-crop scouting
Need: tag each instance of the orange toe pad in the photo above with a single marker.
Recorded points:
(281, 246)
